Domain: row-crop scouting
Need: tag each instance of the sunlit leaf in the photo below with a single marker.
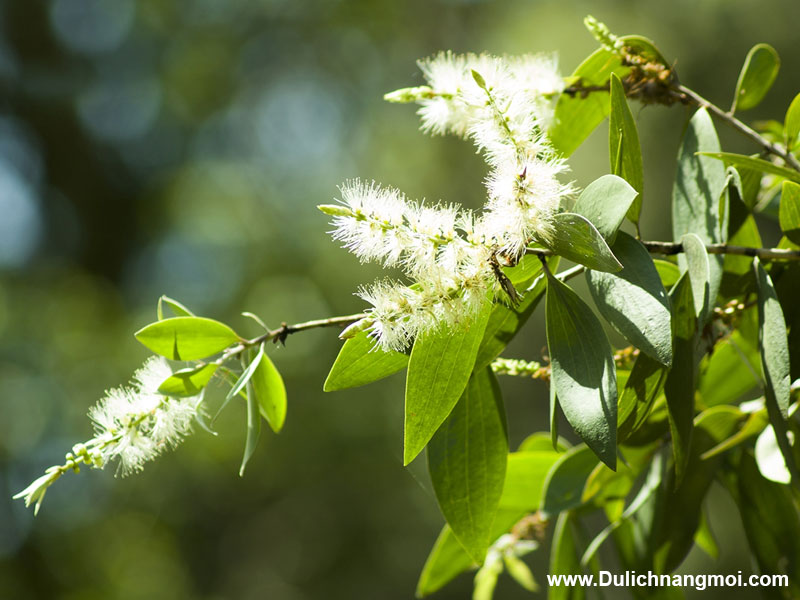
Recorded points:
(186, 338)
(604, 203)
(467, 462)
(438, 370)
(758, 72)
(188, 382)
(790, 211)
(360, 362)
(270, 392)
(756, 164)
(791, 124)
(623, 145)
(566, 480)
(579, 241)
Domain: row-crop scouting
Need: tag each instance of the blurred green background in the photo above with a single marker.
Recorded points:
(180, 147)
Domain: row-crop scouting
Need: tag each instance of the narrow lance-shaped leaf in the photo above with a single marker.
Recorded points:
(643, 386)
(525, 476)
(699, 184)
(791, 124)
(753, 163)
(467, 462)
(583, 370)
(360, 362)
(270, 392)
(564, 560)
(634, 300)
(699, 267)
(179, 309)
(186, 338)
(438, 371)
(790, 211)
(579, 241)
(623, 145)
(253, 426)
(679, 387)
(604, 203)
(774, 347)
(758, 72)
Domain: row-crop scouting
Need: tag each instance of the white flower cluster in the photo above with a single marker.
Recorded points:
(136, 424)
(132, 424)
(503, 105)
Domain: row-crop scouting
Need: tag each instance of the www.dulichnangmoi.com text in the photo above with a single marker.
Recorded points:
(650, 579)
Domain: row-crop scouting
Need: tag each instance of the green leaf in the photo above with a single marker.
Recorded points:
(704, 538)
(699, 185)
(756, 164)
(438, 371)
(505, 321)
(677, 510)
(758, 72)
(361, 362)
(579, 241)
(604, 203)
(623, 145)
(253, 426)
(791, 124)
(679, 388)
(179, 309)
(737, 277)
(525, 476)
(732, 371)
(521, 573)
(771, 522)
(699, 267)
(565, 482)
(643, 386)
(188, 382)
(790, 211)
(583, 370)
(564, 560)
(668, 272)
(634, 301)
(774, 346)
(467, 461)
(269, 391)
(186, 338)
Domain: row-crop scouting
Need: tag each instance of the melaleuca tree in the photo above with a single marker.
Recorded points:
(710, 318)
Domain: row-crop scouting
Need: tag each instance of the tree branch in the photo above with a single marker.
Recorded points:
(668, 248)
(687, 95)
(763, 253)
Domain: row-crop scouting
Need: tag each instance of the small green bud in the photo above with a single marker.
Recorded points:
(479, 79)
(335, 210)
(409, 94)
(355, 328)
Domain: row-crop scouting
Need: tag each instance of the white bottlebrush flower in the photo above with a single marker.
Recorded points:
(137, 424)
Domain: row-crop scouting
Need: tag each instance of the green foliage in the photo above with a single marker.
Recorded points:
(758, 72)
(467, 462)
(438, 372)
(676, 407)
(187, 338)
(580, 241)
(583, 371)
(634, 300)
(624, 151)
(360, 362)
